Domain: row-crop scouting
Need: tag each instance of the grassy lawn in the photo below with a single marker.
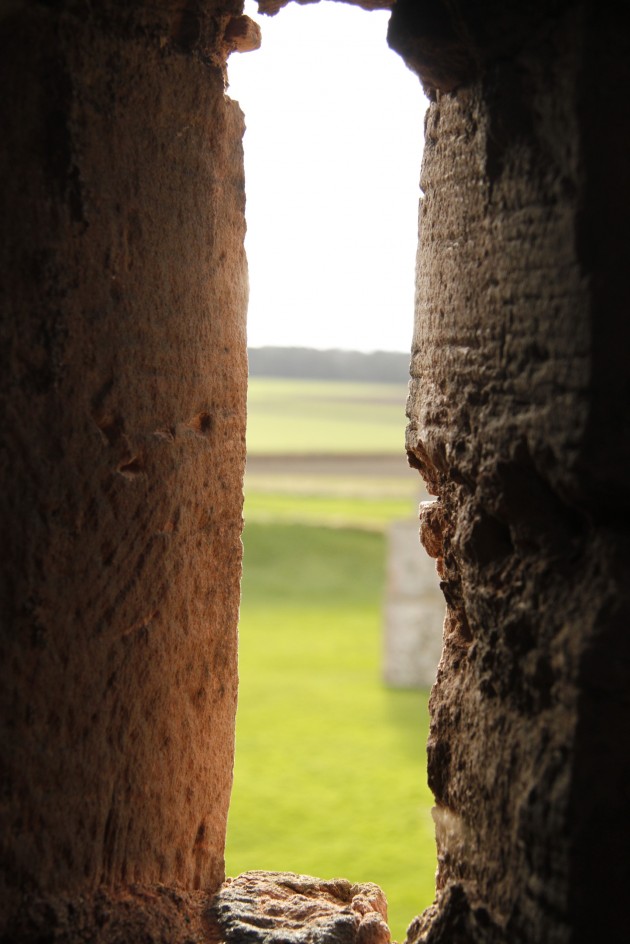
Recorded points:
(300, 416)
(336, 510)
(330, 765)
(330, 770)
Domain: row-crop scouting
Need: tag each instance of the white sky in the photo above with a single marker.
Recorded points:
(332, 163)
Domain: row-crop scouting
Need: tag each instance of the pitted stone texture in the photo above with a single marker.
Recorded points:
(150, 914)
(515, 423)
(452, 919)
(122, 406)
(498, 406)
(287, 908)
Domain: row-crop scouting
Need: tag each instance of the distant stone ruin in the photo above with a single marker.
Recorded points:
(413, 613)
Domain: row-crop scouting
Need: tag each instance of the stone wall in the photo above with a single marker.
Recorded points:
(519, 424)
(122, 391)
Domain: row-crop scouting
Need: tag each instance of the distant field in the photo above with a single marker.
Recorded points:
(328, 452)
(365, 512)
(320, 416)
(354, 490)
(330, 764)
(330, 774)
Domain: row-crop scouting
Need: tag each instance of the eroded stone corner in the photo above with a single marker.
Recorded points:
(279, 907)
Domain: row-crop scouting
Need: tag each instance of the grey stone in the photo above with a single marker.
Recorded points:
(287, 908)
(413, 611)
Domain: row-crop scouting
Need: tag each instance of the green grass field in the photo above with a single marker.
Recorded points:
(330, 775)
(330, 764)
(298, 416)
(336, 511)
(346, 422)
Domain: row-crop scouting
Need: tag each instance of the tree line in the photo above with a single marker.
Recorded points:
(334, 364)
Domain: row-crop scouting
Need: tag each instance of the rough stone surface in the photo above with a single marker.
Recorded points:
(281, 907)
(122, 391)
(413, 611)
(151, 914)
(518, 300)
(264, 907)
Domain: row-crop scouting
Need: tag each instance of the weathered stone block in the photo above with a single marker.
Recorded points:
(280, 907)
(413, 611)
